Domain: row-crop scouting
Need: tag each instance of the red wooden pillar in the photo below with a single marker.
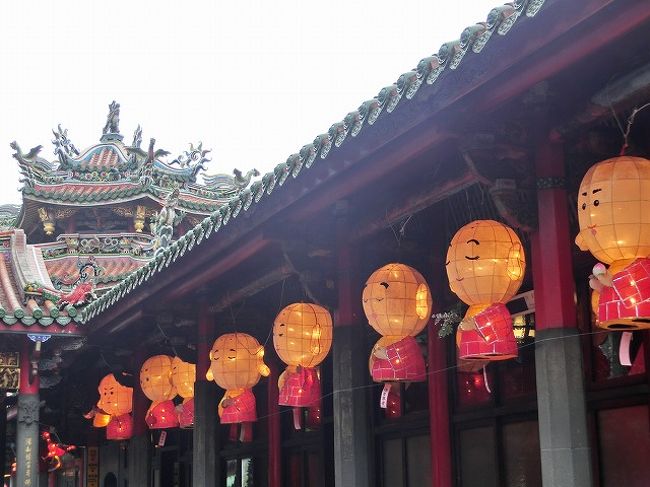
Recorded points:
(273, 422)
(564, 443)
(439, 410)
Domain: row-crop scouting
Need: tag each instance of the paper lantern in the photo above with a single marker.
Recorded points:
(120, 427)
(156, 378)
(156, 383)
(614, 226)
(162, 415)
(236, 364)
(397, 301)
(395, 359)
(302, 334)
(302, 337)
(183, 377)
(101, 420)
(186, 413)
(485, 263)
(486, 266)
(114, 398)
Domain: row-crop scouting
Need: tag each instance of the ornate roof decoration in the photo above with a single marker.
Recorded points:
(9, 216)
(27, 295)
(450, 56)
(112, 172)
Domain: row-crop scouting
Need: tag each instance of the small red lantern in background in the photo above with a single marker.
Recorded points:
(120, 428)
(54, 451)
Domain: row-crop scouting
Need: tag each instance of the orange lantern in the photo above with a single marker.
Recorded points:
(302, 337)
(114, 399)
(101, 420)
(485, 267)
(183, 378)
(612, 213)
(397, 302)
(236, 365)
(156, 383)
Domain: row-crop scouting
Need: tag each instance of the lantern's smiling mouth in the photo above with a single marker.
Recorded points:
(460, 279)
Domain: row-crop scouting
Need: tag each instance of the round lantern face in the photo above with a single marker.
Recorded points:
(485, 263)
(237, 361)
(397, 300)
(614, 209)
(114, 398)
(183, 377)
(302, 334)
(156, 378)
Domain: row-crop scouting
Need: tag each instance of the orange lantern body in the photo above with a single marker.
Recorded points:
(486, 266)
(114, 398)
(183, 378)
(397, 302)
(302, 337)
(120, 428)
(156, 383)
(613, 210)
(101, 420)
(236, 365)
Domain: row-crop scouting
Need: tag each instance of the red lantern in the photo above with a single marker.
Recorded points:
(162, 415)
(398, 361)
(120, 427)
(186, 413)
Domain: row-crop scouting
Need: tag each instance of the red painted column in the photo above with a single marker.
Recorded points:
(552, 263)
(273, 423)
(439, 410)
(561, 407)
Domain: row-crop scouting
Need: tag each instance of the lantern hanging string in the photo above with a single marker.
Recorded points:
(628, 126)
(433, 372)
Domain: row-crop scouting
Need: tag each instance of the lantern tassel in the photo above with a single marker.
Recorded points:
(486, 381)
(297, 419)
(624, 349)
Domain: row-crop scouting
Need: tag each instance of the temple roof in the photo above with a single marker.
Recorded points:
(112, 172)
(425, 76)
(28, 298)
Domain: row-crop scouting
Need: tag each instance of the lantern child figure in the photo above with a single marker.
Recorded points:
(397, 303)
(183, 378)
(236, 365)
(302, 337)
(613, 209)
(486, 266)
(156, 383)
(116, 401)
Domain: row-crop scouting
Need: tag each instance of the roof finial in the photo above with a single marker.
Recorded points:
(137, 137)
(112, 128)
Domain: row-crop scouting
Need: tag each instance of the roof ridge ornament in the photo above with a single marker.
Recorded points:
(137, 137)
(63, 146)
(193, 159)
(111, 130)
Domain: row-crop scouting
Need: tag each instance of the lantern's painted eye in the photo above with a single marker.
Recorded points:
(596, 202)
(448, 262)
(385, 284)
(584, 206)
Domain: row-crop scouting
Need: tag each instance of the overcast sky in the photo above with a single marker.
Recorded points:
(253, 80)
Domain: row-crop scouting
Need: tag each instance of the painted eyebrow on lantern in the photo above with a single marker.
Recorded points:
(596, 190)
(473, 240)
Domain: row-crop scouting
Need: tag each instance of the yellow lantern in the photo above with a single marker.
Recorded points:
(485, 263)
(183, 377)
(156, 378)
(114, 398)
(237, 361)
(397, 301)
(302, 334)
(613, 210)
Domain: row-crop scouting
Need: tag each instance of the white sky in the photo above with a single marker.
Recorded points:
(254, 80)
